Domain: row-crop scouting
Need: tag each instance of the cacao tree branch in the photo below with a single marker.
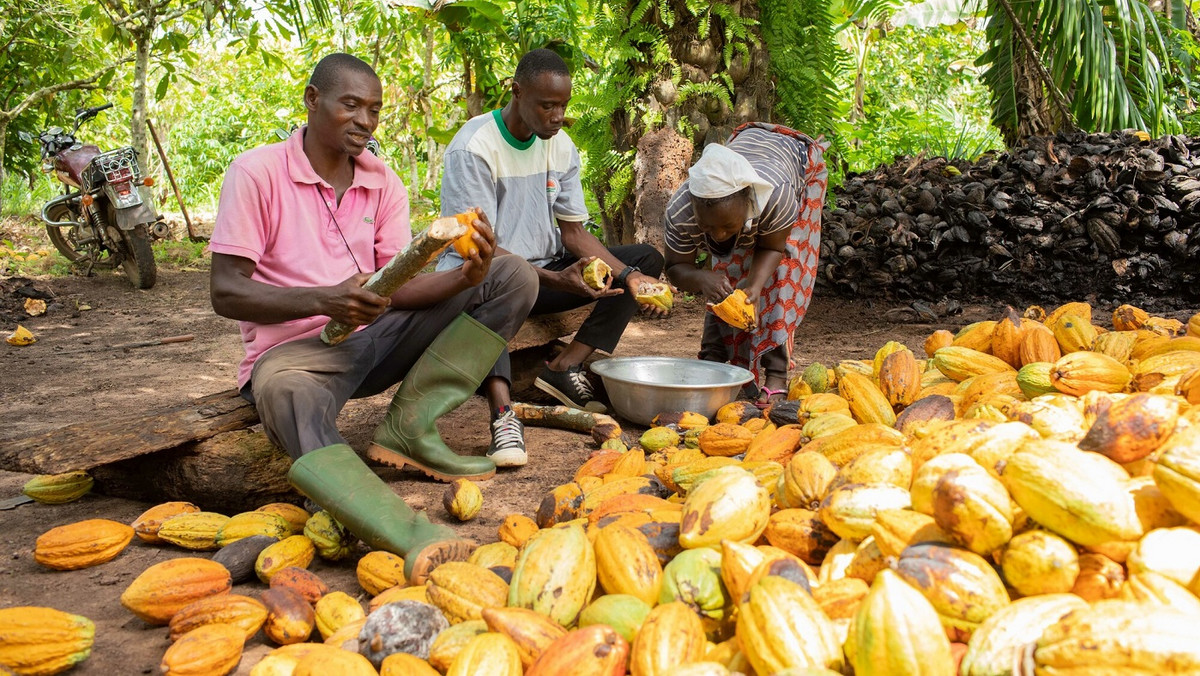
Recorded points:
(403, 267)
(37, 95)
(1060, 101)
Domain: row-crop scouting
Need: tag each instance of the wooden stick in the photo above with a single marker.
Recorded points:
(171, 177)
(403, 267)
(602, 427)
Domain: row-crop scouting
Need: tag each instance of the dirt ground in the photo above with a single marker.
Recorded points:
(45, 387)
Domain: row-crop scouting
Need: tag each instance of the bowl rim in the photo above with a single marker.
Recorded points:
(604, 366)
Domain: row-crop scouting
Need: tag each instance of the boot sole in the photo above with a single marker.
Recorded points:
(591, 407)
(435, 555)
(393, 459)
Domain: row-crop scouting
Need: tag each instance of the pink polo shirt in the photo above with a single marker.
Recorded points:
(276, 211)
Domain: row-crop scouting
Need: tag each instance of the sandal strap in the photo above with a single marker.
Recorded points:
(770, 393)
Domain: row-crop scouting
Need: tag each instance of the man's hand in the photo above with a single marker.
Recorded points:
(571, 280)
(634, 281)
(349, 303)
(475, 268)
(714, 286)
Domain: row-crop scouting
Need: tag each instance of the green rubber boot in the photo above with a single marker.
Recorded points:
(339, 481)
(445, 376)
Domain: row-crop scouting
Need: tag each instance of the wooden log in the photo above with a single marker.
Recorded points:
(602, 427)
(85, 445)
(405, 265)
(229, 473)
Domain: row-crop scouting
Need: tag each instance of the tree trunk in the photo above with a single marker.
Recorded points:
(431, 146)
(1034, 114)
(141, 70)
(700, 61)
(3, 140)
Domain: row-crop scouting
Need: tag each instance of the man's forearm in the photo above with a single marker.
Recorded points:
(429, 289)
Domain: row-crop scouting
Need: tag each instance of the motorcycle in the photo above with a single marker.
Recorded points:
(106, 216)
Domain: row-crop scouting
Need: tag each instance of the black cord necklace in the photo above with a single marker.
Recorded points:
(339, 228)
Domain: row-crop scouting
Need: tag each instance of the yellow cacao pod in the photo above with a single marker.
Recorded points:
(463, 499)
(850, 510)
(378, 571)
(735, 310)
(516, 529)
(1080, 372)
(627, 564)
(973, 507)
(597, 274)
(1038, 345)
(555, 574)
(164, 588)
(208, 649)
(462, 590)
(193, 530)
(82, 544)
(531, 632)
(335, 610)
(295, 551)
(146, 526)
(1039, 562)
(867, 403)
(729, 506)
(489, 653)
(232, 609)
(670, 635)
(725, 439)
(805, 481)
(990, 652)
(976, 336)
(1119, 637)
(781, 627)
(963, 587)
(1081, 310)
(43, 640)
(960, 363)
(897, 631)
(900, 378)
(1081, 496)
(58, 489)
(248, 524)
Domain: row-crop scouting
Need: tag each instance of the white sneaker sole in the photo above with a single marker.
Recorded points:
(509, 458)
(592, 406)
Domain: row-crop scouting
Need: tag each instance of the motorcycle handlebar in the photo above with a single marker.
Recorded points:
(92, 111)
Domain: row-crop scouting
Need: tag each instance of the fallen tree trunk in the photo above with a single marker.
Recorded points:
(229, 473)
(85, 445)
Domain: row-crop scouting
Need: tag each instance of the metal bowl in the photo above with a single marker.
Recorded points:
(640, 388)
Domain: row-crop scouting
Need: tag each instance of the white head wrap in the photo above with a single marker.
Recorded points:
(721, 172)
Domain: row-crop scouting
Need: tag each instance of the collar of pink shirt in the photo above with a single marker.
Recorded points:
(368, 170)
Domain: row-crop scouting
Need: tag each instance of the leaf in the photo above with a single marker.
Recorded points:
(21, 337)
(163, 84)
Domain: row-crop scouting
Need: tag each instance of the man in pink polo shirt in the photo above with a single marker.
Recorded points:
(301, 225)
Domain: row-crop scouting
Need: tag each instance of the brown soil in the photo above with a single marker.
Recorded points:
(68, 376)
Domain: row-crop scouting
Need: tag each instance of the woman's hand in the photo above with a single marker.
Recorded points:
(714, 286)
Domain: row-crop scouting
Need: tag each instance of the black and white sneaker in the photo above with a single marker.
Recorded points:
(571, 387)
(508, 441)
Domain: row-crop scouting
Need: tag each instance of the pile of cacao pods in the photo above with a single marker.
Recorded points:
(1025, 500)
(1054, 218)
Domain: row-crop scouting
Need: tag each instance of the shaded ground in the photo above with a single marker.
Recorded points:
(68, 376)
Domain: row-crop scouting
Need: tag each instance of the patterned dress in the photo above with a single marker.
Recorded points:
(795, 165)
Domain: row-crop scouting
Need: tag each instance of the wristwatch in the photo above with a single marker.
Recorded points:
(619, 280)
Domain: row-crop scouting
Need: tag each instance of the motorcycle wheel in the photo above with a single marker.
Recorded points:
(66, 239)
(137, 259)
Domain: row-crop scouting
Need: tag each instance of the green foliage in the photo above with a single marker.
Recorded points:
(180, 255)
(1106, 56)
(805, 59)
(921, 97)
